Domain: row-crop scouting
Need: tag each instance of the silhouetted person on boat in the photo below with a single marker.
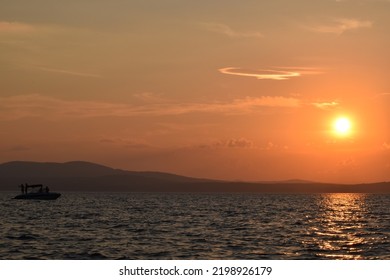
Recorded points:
(22, 188)
(47, 189)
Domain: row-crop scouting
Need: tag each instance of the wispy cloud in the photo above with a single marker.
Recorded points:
(228, 31)
(67, 72)
(26, 106)
(339, 26)
(127, 143)
(240, 143)
(348, 162)
(265, 101)
(19, 148)
(35, 105)
(278, 73)
(272, 146)
(325, 105)
(149, 97)
(15, 27)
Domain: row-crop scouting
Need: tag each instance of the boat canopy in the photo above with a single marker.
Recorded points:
(35, 186)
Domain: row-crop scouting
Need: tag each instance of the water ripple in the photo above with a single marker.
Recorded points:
(196, 226)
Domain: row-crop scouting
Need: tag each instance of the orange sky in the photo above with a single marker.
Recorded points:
(245, 90)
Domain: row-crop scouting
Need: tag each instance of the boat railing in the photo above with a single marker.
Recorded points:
(41, 189)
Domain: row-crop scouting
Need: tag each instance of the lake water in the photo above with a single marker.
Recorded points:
(196, 226)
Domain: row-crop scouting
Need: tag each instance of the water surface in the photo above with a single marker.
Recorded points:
(196, 226)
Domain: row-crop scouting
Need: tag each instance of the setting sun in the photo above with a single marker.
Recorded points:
(342, 126)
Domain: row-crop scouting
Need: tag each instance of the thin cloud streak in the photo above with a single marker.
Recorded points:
(325, 105)
(386, 146)
(27, 106)
(39, 106)
(15, 27)
(67, 72)
(228, 31)
(339, 26)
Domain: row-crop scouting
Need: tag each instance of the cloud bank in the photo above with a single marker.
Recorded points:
(35, 105)
(42, 106)
(240, 143)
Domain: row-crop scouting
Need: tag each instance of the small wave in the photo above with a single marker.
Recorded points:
(24, 237)
(159, 254)
(240, 228)
(85, 256)
(120, 226)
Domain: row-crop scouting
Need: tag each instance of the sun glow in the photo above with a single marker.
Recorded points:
(342, 126)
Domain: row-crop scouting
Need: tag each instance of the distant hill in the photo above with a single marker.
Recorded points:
(29, 169)
(86, 176)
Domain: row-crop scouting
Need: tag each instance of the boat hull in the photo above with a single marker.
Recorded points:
(38, 196)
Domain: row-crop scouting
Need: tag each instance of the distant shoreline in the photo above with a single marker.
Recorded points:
(225, 187)
(91, 177)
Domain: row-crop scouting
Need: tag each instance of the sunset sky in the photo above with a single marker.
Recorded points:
(238, 90)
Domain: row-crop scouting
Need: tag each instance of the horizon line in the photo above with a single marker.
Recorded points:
(275, 181)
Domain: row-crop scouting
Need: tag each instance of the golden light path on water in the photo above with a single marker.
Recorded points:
(340, 229)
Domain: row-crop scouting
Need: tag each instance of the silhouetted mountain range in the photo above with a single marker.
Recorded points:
(86, 176)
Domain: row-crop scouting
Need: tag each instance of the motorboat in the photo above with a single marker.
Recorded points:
(37, 192)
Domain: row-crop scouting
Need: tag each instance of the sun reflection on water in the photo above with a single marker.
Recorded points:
(338, 229)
